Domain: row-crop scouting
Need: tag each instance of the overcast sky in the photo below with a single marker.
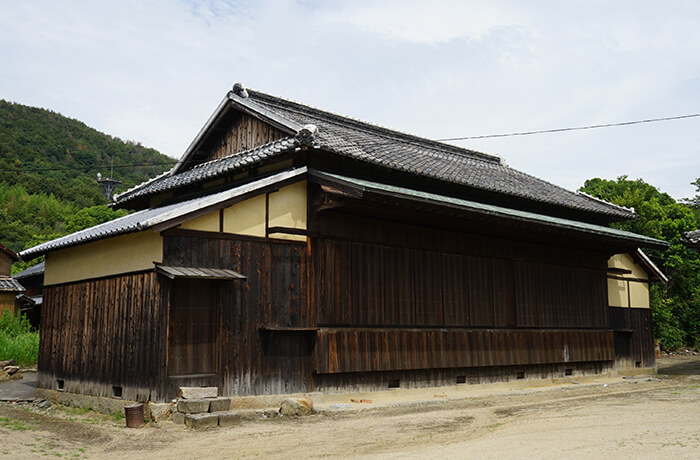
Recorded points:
(153, 71)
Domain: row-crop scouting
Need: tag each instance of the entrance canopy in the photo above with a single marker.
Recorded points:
(199, 273)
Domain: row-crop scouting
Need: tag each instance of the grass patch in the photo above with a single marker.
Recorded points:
(17, 340)
(117, 416)
(14, 425)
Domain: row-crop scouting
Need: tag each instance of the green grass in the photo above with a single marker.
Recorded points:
(14, 425)
(17, 340)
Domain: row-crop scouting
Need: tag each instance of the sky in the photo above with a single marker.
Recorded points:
(153, 71)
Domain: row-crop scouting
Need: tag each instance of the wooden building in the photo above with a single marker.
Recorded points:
(9, 288)
(295, 250)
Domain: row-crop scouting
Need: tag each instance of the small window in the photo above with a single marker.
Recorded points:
(394, 383)
(60, 384)
(116, 391)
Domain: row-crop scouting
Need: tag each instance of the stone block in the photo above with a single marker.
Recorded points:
(193, 406)
(178, 418)
(198, 392)
(297, 406)
(159, 411)
(200, 421)
(219, 404)
(229, 418)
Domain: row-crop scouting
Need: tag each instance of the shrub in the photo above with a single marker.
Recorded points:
(17, 340)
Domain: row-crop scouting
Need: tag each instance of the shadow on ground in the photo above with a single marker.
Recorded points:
(681, 365)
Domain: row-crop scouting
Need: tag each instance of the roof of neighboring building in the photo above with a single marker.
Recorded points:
(34, 270)
(371, 144)
(692, 239)
(9, 252)
(10, 285)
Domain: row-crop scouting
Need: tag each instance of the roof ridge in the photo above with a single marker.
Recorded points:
(343, 120)
(602, 201)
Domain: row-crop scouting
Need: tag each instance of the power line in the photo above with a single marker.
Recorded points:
(88, 168)
(576, 128)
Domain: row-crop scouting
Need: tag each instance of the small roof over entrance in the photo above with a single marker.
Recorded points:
(199, 273)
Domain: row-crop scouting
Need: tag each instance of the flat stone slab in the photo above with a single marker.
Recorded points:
(198, 392)
(23, 389)
(178, 418)
(229, 418)
(193, 406)
(220, 404)
(200, 421)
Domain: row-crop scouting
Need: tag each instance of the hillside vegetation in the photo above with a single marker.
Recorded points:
(48, 171)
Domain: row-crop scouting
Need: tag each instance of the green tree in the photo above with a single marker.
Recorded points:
(676, 304)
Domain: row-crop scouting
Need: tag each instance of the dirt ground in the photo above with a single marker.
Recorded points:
(639, 417)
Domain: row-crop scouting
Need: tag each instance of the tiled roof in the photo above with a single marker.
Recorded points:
(9, 252)
(37, 269)
(148, 218)
(379, 146)
(10, 285)
(211, 169)
(692, 238)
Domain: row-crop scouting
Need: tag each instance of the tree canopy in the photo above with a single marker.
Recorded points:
(676, 304)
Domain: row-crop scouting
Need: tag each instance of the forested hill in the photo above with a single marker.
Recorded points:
(48, 173)
(48, 153)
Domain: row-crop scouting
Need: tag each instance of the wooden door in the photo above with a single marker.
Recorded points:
(194, 329)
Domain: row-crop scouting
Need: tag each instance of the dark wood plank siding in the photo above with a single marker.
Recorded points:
(245, 133)
(261, 352)
(634, 336)
(362, 284)
(103, 333)
(363, 350)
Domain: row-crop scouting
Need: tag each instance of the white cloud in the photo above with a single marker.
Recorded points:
(154, 71)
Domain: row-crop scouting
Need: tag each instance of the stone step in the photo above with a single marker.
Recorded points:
(198, 392)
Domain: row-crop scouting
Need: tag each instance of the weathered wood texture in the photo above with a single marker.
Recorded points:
(634, 336)
(103, 333)
(360, 284)
(8, 302)
(261, 353)
(364, 350)
(421, 378)
(245, 133)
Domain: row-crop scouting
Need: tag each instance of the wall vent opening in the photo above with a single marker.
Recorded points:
(520, 375)
(116, 391)
(60, 384)
(568, 371)
(394, 383)
(461, 379)
(637, 364)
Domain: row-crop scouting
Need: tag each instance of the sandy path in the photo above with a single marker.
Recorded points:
(627, 418)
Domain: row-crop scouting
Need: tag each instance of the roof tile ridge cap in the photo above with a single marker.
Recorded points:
(143, 184)
(388, 132)
(290, 139)
(563, 189)
(605, 202)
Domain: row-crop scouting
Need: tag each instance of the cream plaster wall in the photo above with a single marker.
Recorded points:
(121, 254)
(633, 289)
(288, 209)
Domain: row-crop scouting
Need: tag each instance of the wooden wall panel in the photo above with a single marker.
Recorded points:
(634, 336)
(245, 133)
(265, 347)
(365, 350)
(359, 284)
(103, 333)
